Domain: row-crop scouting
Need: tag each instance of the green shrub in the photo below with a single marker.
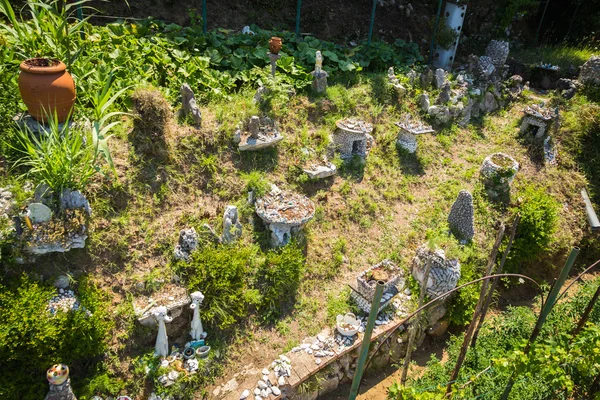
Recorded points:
(222, 273)
(32, 340)
(539, 217)
(278, 280)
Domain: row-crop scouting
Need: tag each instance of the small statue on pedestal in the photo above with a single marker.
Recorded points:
(60, 384)
(319, 83)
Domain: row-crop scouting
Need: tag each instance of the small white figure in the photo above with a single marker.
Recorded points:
(319, 62)
(197, 332)
(161, 349)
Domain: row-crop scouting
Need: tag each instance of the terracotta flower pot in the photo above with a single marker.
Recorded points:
(46, 88)
(275, 44)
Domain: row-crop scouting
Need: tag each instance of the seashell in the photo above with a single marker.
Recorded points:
(265, 371)
(261, 385)
(276, 391)
(318, 361)
(285, 359)
(258, 398)
(266, 378)
(281, 381)
(264, 394)
(244, 394)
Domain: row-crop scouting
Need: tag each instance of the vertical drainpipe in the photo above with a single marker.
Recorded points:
(435, 28)
(298, 8)
(204, 16)
(366, 342)
(372, 23)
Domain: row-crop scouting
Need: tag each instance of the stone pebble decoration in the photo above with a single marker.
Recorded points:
(353, 138)
(443, 274)
(65, 301)
(497, 51)
(284, 213)
(461, 217)
(259, 133)
(497, 172)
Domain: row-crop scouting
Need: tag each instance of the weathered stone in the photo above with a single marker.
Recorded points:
(189, 105)
(497, 51)
(485, 67)
(232, 228)
(461, 217)
(489, 103)
(440, 78)
(590, 71)
(261, 133)
(566, 87)
(440, 114)
(322, 170)
(426, 78)
(444, 96)
(74, 199)
(423, 101)
(62, 282)
(39, 213)
(188, 241)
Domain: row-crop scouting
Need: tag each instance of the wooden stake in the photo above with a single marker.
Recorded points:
(494, 284)
(415, 325)
(586, 314)
(482, 293)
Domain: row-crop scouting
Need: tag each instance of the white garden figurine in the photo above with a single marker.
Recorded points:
(197, 332)
(319, 62)
(161, 349)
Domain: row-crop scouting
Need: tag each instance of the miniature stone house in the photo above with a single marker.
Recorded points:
(352, 138)
(407, 137)
(537, 121)
(284, 214)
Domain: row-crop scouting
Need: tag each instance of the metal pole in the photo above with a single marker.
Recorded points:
(204, 16)
(435, 28)
(482, 295)
(490, 295)
(550, 302)
(537, 33)
(364, 349)
(298, 8)
(372, 23)
(589, 210)
(415, 325)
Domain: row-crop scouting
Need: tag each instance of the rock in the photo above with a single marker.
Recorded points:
(231, 385)
(281, 381)
(489, 103)
(566, 87)
(188, 241)
(441, 114)
(423, 101)
(256, 391)
(232, 228)
(321, 171)
(276, 391)
(189, 105)
(62, 282)
(590, 72)
(444, 96)
(74, 199)
(261, 385)
(497, 51)
(461, 217)
(39, 213)
(438, 329)
(264, 394)
(485, 67)
(244, 394)
(426, 78)
(440, 78)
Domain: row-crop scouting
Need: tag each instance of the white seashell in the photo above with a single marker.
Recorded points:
(318, 361)
(257, 391)
(269, 391)
(261, 385)
(321, 338)
(281, 381)
(305, 345)
(315, 347)
(264, 394)
(266, 379)
(309, 351)
(276, 391)
(285, 359)
(244, 394)
(258, 398)
(265, 371)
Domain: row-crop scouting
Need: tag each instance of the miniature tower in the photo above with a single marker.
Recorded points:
(60, 384)
(197, 331)
(161, 348)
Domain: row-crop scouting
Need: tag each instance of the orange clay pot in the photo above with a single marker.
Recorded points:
(275, 45)
(46, 88)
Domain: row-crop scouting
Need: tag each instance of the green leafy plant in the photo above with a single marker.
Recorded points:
(539, 217)
(32, 339)
(278, 280)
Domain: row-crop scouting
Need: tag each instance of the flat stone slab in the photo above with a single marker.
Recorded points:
(173, 297)
(320, 171)
(251, 144)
